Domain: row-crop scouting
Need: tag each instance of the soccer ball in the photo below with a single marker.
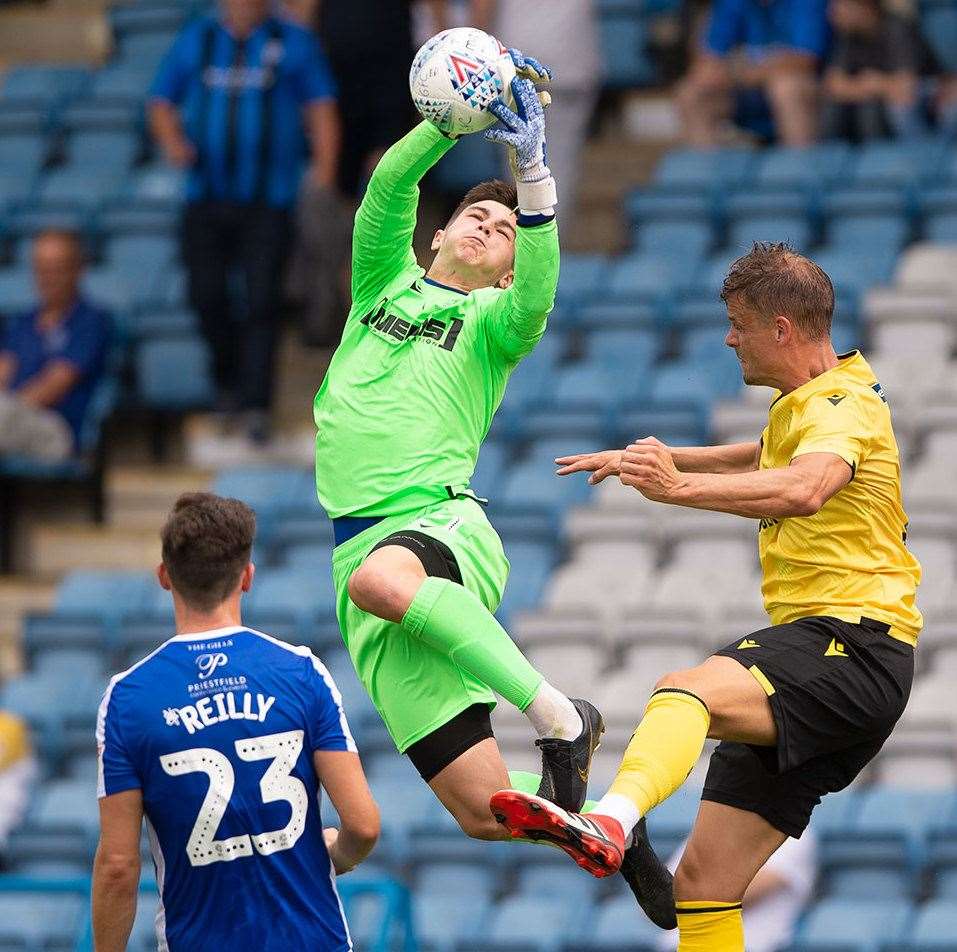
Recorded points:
(456, 76)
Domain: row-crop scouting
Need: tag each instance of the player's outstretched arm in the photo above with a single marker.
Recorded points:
(340, 773)
(531, 297)
(732, 458)
(385, 221)
(116, 870)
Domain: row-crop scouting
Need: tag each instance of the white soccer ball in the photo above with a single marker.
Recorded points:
(457, 75)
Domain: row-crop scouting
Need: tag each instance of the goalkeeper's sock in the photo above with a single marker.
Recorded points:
(553, 715)
(449, 618)
(710, 927)
(661, 753)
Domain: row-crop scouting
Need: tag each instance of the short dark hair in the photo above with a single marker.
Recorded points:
(207, 542)
(492, 190)
(772, 278)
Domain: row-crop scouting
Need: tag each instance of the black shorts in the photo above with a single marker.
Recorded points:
(437, 750)
(836, 690)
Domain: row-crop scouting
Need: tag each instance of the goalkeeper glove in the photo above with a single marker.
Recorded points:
(529, 68)
(524, 132)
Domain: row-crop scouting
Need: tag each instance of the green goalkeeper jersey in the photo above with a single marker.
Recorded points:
(421, 369)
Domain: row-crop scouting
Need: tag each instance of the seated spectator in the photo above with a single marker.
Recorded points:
(873, 84)
(776, 897)
(18, 770)
(52, 357)
(770, 47)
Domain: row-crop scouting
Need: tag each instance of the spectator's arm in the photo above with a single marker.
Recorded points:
(167, 129)
(340, 773)
(325, 136)
(842, 86)
(51, 385)
(116, 870)
(8, 367)
(766, 883)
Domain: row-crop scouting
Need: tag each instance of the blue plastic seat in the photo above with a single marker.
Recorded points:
(22, 154)
(942, 228)
(863, 882)
(17, 292)
(857, 923)
(64, 803)
(581, 276)
(935, 926)
(143, 936)
(143, 50)
(783, 167)
(444, 919)
(554, 879)
(616, 924)
(940, 27)
(529, 378)
(532, 482)
(896, 163)
(114, 287)
(88, 664)
(855, 270)
(910, 814)
(745, 231)
(270, 490)
(103, 152)
(162, 322)
(531, 564)
(109, 594)
(589, 385)
(699, 381)
(534, 923)
(174, 374)
(694, 170)
(867, 232)
(646, 276)
(623, 350)
(41, 85)
(679, 424)
(475, 160)
(299, 591)
(442, 878)
(41, 919)
(675, 240)
(76, 189)
(119, 83)
(64, 632)
(15, 188)
(490, 468)
(623, 39)
(621, 315)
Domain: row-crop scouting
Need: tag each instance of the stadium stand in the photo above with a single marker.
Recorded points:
(599, 579)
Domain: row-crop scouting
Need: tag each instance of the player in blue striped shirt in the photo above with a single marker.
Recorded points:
(220, 739)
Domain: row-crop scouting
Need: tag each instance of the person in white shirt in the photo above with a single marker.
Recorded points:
(775, 899)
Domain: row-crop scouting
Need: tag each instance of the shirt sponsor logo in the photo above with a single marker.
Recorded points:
(227, 706)
(208, 663)
(438, 333)
(879, 390)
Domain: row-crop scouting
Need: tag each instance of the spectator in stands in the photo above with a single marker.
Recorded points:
(18, 770)
(563, 34)
(774, 901)
(772, 47)
(874, 80)
(52, 357)
(231, 102)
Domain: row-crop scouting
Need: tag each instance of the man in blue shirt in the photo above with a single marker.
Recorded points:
(231, 102)
(52, 357)
(771, 48)
(221, 738)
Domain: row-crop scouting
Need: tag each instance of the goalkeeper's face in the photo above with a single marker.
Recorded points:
(478, 245)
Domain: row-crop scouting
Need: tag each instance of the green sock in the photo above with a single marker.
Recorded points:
(449, 618)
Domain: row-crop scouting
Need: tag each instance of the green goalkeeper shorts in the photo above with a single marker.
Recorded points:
(415, 688)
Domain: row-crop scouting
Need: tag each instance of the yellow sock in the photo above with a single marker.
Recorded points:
(664, 748)
(710, 927)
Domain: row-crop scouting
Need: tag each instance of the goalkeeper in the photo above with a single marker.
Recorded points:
(407, 400)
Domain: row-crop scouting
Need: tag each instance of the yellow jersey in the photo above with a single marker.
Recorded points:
(849, 560)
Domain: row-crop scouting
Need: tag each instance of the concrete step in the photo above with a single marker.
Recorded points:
(55, 549)
(18, 595)
(60, 31)
(141, 497)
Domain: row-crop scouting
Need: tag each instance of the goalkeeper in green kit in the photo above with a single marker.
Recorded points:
(407, 400)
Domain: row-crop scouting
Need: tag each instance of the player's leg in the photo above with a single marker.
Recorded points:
(708, 894)
(441, 580)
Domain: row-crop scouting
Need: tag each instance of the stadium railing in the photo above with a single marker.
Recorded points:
(395, 932)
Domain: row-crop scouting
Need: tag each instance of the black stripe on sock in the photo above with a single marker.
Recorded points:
(682, 691)
(697, 912)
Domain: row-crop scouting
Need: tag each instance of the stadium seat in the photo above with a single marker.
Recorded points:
(869, 882)
(444, 921)
(561, 663)
(158, 185)
(645, 276)
(40, 85)
(934, 927)
(855, 923)
(868, 232)
(109, 594)
(17, 293)
(446, 878)
(270, 490)
(22, 155)
(102, 152)
(531, 564)
(615, 925)
(116, 287)
(940, 27)
(76, 189)
(623, 40)
(532, 483)
(674, 241)
(15, 189)
(174, 375)
(808, 168)
(941, 229)
(746, 230)
(302, 592)
(581, 276)
(535, 923)
(895, 163)
(691, 170)
(40, 920)
(623, 351)
(929, 267)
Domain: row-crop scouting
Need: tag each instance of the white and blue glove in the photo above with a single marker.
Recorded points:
(523, 131)
(529, 68)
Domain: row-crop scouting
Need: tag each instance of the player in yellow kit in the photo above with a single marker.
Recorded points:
(802, 706)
